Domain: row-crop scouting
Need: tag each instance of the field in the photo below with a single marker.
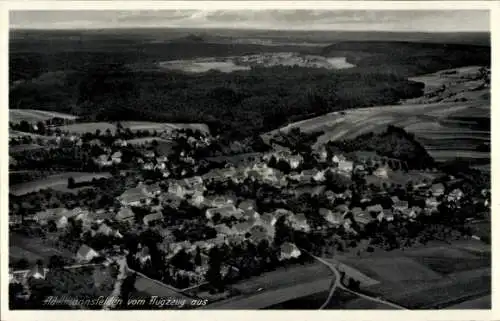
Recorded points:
(159, 127)
(447, 129)
(279, 286)
(23, 148)
(82, 128)
(18, 134)
(33, 248)
(34, 115)
(57, 182)
(425, 278)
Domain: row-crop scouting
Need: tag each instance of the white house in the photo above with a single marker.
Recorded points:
(345, 166)
(382, 172)
(86, 254)
(289, 251)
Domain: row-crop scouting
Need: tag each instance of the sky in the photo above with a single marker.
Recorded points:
(342, 20)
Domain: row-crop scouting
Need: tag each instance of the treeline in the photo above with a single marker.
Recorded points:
(238, 104)
(395, 142)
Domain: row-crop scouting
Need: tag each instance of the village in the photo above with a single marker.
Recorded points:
(186, 222)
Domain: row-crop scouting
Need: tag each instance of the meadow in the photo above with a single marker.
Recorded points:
(34, 115)
(57, 182)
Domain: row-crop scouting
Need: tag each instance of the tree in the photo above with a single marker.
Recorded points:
(71, 182)
(56, 262)
(197, 258)
(214, 276)
(22, 264)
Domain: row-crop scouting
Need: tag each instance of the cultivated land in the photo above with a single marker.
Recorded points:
(450, 119)
(82, 128)
(152, 126)
(32, 249)
(57, 182)
(448, 128)
(423, 278)
(34, 115)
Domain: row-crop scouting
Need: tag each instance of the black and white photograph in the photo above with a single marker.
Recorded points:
(248, 159)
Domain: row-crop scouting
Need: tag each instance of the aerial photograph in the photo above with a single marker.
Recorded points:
(256, 159)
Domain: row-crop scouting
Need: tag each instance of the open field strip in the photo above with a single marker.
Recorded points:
(54, 181)
(151, 126)
(35, 115)
(82, 128)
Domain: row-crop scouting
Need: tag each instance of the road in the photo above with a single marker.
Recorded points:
(122, 274)
(338, 284)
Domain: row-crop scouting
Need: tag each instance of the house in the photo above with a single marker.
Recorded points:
(400, 205)
(177, 189)
(105, 230)
(62, 222)
(143, 255)
(125, 214)
(51, 214)
(362, 217)
(294, 161)
(431, 202)
(345, 166)
(153, 189)
(103, 160)
(86, 254)
(258, 233)
(388, 215)
(116, 157)
(247, 205)
(193, 181)
(224, 211)
(375, 209)
(409, 212)
(319, 176)
(289, 251)
(135, 196)
(338, 158)
(335, 218)
(342, 208)
(242, 228)
(299, 222)
(437, 189)
(120, 143)
(149, 154)
(37, 272)
(197, 199)
(158, 216)
(382, 172)
(251, 215)
(455, 195)
(268, 219)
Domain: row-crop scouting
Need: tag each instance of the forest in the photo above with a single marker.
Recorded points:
(113, 80)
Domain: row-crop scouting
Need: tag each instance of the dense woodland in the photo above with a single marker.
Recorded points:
(110, 81)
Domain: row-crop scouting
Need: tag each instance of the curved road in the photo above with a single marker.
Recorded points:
(338, 284)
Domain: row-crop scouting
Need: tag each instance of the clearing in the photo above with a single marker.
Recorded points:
(57, 182)
(161, 127)
(82, 128)
(35, 115)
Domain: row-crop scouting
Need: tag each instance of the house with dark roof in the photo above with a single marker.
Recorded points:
(224, 211)
(135, 196)
(125, 214)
